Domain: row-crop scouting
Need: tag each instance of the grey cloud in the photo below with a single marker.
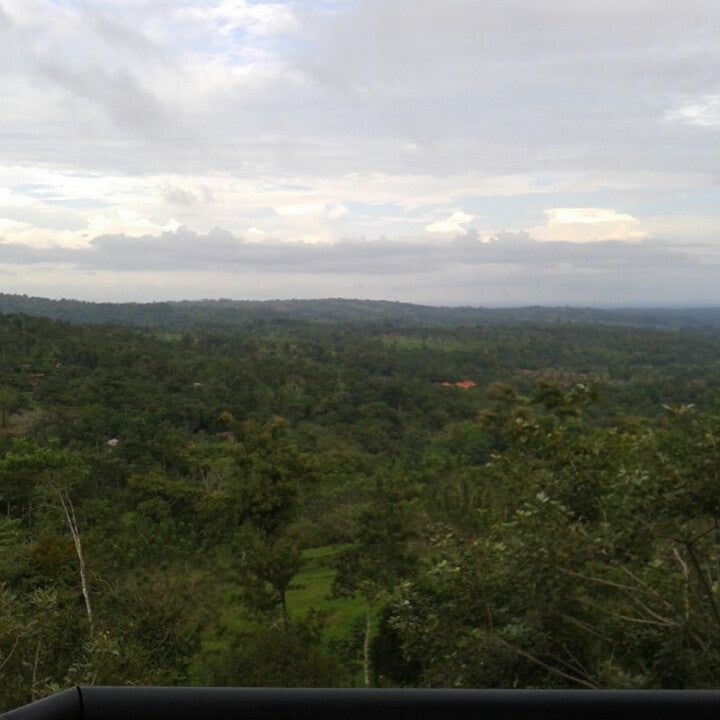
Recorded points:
(178, 196)
(497, 87)
(550, 84)
(441, 36)
(181, 250)
(5, 21)
(118, 32)
(219, 251)
(512, 270)
(118, 92)
(51, 57)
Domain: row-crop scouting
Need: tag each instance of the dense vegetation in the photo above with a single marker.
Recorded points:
(298, 499)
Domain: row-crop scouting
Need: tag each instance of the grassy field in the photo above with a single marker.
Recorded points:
(311, 589)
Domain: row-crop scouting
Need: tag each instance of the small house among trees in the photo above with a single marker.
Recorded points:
(463, 384)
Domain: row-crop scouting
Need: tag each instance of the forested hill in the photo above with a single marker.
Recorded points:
(338, 310)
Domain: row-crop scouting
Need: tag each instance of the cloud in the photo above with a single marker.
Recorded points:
(119, 93)
(186, 250)
(273, 18)
(314, 122)
(512, 268)
(178, 196)
(301, 209)
(582, 216)
(454, 224)
(5, 21)
(355, 85)
(8, 226)
(703, 112)
(584, 224)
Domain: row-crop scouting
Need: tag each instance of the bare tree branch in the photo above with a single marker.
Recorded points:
(541, 663)
(69, 511)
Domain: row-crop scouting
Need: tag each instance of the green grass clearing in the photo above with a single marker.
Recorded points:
(312, 587)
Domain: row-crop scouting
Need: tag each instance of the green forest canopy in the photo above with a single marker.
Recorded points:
(287, 494)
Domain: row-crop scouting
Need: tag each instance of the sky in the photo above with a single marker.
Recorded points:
(455, 152)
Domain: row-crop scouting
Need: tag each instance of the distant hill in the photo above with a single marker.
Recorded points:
(337, 310)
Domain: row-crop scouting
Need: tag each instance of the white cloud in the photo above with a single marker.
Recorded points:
(273, 18)
(454, 224)
(564, 216)
(704, 112)
(580, 225)
(336, 211)
(300, 209)
(9, 228)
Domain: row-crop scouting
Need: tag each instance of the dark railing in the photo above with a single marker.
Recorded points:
(141, 703)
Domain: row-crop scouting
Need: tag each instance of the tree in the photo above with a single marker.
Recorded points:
(381, 557)
(266, 566)
(54, 476)
(62, 473)
(599, 569)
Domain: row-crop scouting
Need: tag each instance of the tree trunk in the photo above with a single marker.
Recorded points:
(366, 646)
(686, 584)
(34, 694)
(69, 510)
(285, 613)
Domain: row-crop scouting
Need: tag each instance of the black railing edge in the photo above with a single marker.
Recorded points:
(64, 705)
(183, 703)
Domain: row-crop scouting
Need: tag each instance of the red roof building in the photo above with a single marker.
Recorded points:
(463, 385)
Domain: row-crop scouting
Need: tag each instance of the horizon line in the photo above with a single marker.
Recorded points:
(424, 304)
